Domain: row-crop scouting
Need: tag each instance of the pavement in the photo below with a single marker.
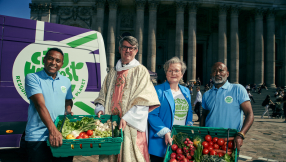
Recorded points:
(265, 141)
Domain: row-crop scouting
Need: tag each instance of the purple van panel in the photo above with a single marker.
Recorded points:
(92, 81)
(67, 30)
(96, 52)
(13, 109)
(13, 49)
(12, 140)
(50, 36)
(98, 76)
(12, 33)
(20, 23)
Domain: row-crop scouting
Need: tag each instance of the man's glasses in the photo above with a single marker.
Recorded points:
(130, 48)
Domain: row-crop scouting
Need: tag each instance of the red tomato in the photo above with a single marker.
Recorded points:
(210, 148)
(216, 146)
(186, 142)
(220, 154)
(81, 134)
(174, 147)
(89, 132)
(180, 156)
(205, 144)
(208, 138)
(179, 151)
(173, 160)
(220, 142)
(215, 139)
(205, 151)
(78, 137)
(173, 155)
(211, 143)
(213, 152)
(187, 139)
(223, 147)
(85, 136)
(80, 145)
(230, 144)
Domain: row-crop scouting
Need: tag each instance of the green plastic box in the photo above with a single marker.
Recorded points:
(90, 146)
(202, 131)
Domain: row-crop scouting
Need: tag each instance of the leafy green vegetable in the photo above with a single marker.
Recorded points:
(84, 124)
(180, 138)
(198, 153)
(211, 158)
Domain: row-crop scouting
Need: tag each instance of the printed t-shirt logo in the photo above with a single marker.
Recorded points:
(181, 109)
(64, 89)
(228, 99)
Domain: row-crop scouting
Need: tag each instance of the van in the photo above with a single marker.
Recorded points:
(23, 45)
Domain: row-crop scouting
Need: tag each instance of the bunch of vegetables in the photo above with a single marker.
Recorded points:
(86, 128)
(183, 148)
(200, 150)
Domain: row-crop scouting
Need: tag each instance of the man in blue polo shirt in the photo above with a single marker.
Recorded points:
(225, 104)
(50, 95)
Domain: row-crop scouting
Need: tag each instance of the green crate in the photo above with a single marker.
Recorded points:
(202, 131)
(100, 146)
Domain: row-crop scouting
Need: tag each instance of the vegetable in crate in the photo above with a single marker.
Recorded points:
(197, 140)
(86, 128)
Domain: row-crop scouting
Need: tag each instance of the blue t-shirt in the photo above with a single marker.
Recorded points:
(224, 106)
(55, 92)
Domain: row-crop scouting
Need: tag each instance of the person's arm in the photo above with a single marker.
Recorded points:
(55, 136)
(68, 105)
(249, 117)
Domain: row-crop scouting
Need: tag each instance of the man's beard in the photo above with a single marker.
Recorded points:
(223, 79)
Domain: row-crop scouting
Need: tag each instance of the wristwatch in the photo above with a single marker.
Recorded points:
(241, 135)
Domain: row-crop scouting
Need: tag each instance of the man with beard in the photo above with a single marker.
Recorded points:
(225, 104)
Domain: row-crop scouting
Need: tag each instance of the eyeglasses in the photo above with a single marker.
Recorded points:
(174, 71)
(130, 48)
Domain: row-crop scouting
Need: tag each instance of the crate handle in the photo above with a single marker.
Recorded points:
(99, 145)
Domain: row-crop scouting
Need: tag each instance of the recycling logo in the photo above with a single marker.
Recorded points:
(181, 109)
(30, 60)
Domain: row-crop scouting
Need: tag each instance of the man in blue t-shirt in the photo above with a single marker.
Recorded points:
(225, 104)
(50, 95)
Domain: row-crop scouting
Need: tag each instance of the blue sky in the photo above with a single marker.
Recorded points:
(15, 8)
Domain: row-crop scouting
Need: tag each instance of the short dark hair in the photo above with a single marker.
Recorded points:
(198, 88)
(54, 49)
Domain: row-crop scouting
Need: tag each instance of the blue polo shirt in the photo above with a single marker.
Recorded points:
(55, 92)
(224, 106)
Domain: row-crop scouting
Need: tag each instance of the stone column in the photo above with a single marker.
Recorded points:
(284, 51)
(259, 48)
(100, 5)
(111, 31)
(151, 63)
(222, 41)
(192, 42)
(234, 46)
(250, 51)
(270, 53)
(179, 44)
(140, 4)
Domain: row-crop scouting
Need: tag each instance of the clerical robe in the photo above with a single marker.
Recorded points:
(128, 93)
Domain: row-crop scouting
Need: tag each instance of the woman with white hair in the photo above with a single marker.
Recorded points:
(175, 109)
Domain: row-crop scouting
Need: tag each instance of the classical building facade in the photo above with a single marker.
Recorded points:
(247, 35)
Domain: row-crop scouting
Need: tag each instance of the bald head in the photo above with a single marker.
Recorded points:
(219, 74)
(219, 64)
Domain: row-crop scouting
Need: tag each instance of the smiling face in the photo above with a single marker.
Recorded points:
(174, 73)
(53, 63)
(219, 73)
(127, 55)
